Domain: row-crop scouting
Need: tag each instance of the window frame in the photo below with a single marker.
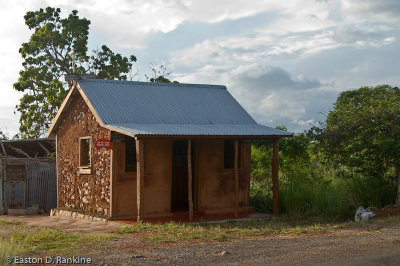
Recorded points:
(85, 169)
(133, 140)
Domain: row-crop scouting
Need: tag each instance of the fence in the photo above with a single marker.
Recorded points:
(28, 182)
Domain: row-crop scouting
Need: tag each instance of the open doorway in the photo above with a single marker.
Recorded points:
(179, 190)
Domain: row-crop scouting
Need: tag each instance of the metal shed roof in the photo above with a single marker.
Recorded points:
(144, 108)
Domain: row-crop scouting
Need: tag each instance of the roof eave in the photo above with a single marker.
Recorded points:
(210, 136)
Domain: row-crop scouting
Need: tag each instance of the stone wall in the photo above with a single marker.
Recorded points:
(87, 193)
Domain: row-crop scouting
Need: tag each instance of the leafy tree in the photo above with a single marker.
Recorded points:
(56, 48)
(294, 156)
(362, 132)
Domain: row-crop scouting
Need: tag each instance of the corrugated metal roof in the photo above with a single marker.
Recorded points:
(171, 109)
(200, 129)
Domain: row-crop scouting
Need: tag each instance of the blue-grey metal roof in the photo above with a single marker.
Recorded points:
(199, 129)
(148, 108)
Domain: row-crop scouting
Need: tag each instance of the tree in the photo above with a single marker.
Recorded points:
(160, 74)
(294, 156)
(362, 132)
(58, 47)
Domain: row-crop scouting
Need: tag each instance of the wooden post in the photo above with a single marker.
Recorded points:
(236, 178)
(139, 178)
(275, 179)
(113, 179)
(57, 183)
(190, 178)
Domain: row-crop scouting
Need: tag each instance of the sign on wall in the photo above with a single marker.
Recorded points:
(103, 144)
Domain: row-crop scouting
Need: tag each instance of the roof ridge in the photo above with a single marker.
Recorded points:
(155, 84)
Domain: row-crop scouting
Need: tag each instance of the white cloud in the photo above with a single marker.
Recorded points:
(13, 33)
(287, 70)
(8, 121)
(129, 22)
(386, 12)
(271, 93)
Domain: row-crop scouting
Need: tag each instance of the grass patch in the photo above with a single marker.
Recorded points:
(9, 248)
(282, 226)
(56, 241)
(7, 224)
(18, 240)
(174, 232)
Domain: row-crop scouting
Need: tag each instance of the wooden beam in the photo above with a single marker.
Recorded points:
(113, 179)
(236, 178)
(140, 178)
(275, 179)
(190, 179)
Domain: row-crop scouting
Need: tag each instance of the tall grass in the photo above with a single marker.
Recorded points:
(369, 190)
(336, 198)
(310, 185)
(316, 198)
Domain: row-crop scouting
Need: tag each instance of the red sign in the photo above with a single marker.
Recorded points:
(103, 144)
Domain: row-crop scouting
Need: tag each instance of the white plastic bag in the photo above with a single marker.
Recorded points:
(362, 215)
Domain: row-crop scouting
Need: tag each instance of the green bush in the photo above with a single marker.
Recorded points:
(310, 185)
(261, 194)
(369, 191)
(336, 198)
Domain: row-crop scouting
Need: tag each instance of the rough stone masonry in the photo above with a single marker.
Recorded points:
(88, 193)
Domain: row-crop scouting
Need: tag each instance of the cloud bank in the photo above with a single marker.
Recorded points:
(285, 61)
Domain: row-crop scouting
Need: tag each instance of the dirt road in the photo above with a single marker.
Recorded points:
(368, 245)
(346, 247)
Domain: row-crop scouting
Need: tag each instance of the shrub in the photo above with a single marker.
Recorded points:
(369, 191)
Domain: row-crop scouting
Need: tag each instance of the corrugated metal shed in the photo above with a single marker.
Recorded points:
(25, 148)
(171, 109)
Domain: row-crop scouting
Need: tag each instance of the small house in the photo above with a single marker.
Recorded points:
(140, 150)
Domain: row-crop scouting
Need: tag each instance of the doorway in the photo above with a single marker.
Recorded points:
(179, 189)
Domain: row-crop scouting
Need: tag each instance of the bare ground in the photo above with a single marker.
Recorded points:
(369, 245)
(344, 247)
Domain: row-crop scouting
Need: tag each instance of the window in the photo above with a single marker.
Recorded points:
(229, 154)
(85, 145)
(130, 155)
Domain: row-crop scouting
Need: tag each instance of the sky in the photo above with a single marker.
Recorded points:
(284, 61)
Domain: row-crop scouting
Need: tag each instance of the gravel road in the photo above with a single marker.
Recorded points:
(345, 247)
(355, 246)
